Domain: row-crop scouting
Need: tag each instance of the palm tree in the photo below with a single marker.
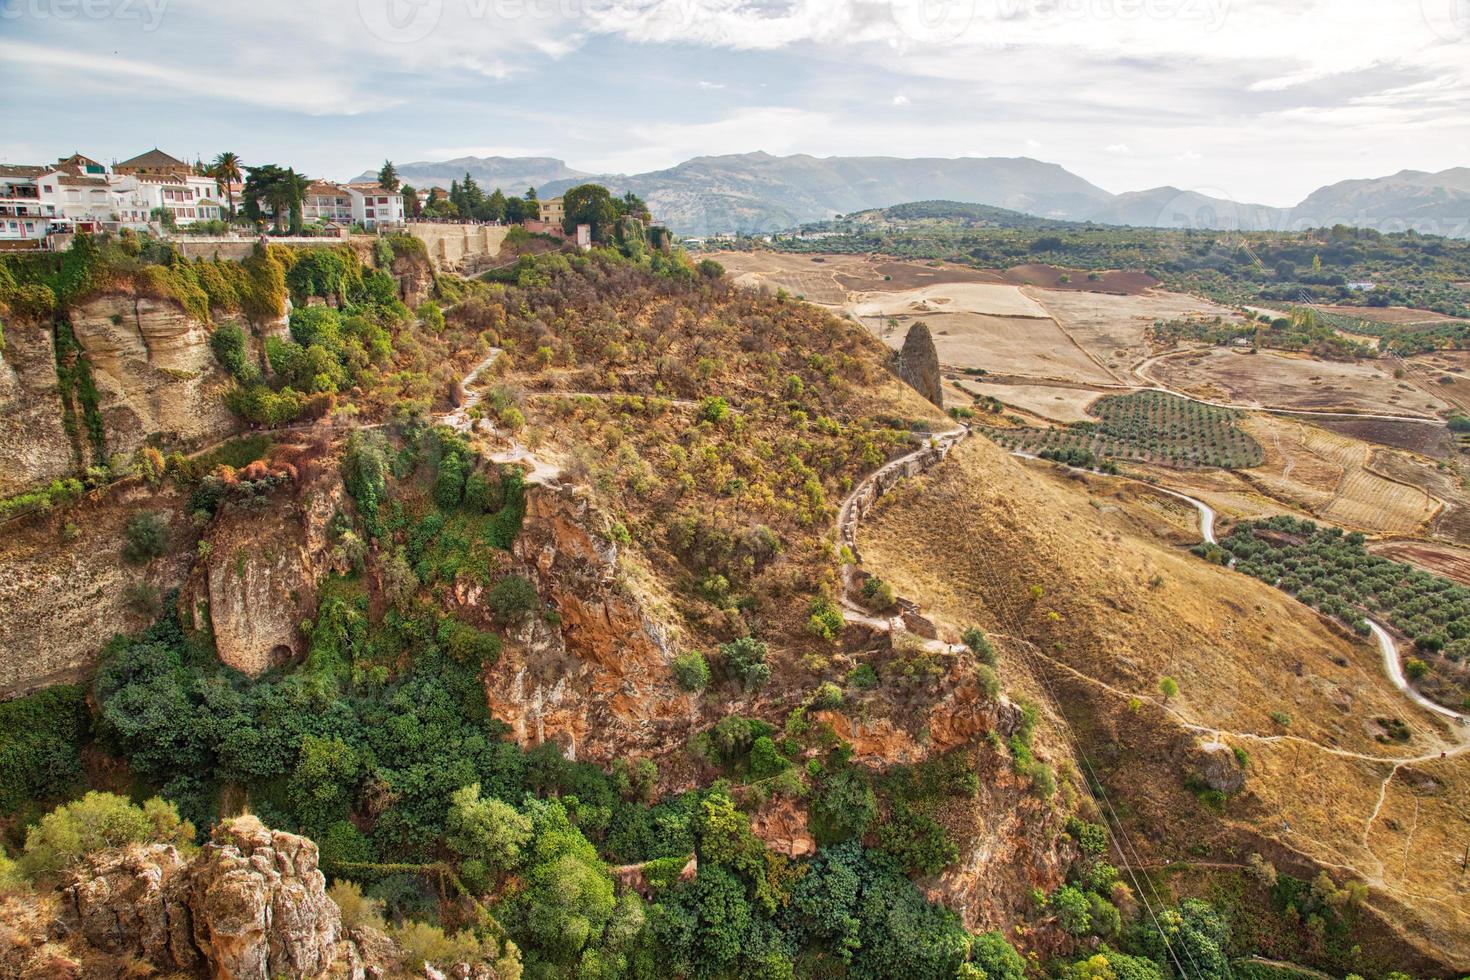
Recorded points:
(226, 170)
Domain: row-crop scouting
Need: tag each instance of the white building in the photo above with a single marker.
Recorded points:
(137, 199)
(373, 207)
(325, 201)
(25, 219)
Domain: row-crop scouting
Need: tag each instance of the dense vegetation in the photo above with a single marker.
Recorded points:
(1302, 267)
(1146, 426)
(1334, 572)
(1303, 330)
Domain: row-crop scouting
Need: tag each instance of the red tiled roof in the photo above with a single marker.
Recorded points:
(22, 170)
(153, 158)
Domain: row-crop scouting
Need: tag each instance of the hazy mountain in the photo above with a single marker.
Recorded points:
(1170, 207)
(511, 174)
(754, 192)
(1432, 203)
(760, 192)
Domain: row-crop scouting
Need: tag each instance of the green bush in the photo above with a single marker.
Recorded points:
(745, 661)
(863, 677)
(512, 598)
(41, 736)
(878, 594)
(691, 670)
(145, 537)
(825, 620)
(979, 645)
(96, 822)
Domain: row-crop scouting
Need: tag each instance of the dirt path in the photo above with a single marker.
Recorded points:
(850, 514)
(460, 421)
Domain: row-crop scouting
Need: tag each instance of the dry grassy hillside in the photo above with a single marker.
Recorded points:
(1094, 610)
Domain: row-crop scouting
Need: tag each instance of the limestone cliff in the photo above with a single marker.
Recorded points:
(251, 906)
(154, 371)
(259, 578)
(597, 682)
(917, 363)
(34, 445)
(65, 587)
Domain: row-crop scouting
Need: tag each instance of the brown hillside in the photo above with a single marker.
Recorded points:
(1094, 610)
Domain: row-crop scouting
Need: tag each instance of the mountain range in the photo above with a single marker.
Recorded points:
(759, 192)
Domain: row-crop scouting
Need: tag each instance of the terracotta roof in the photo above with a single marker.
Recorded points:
(153, 158)
(325, 187)
(22, 170)
(68, 180)
(158, 178)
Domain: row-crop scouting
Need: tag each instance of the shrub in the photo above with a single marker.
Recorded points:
(358, 911)
(423, 944)
(765, 759)
(96, 822)
(979, 645)
(863, 677)
(691, 670)
(825, 620)
(1416, 669)
(828, 695)
(145, 537)
(878, 594)
(143, 598)
(745, 661)
(512, 598)
(714, 409)
(989, 683)
(1168, 687)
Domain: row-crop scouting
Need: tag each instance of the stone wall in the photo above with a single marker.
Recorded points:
(460, 248)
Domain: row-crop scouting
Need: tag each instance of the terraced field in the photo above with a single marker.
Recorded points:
(1147, 427)
(1338, 478)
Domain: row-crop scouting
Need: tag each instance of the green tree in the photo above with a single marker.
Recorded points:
(589, 204)
(388, 177)
(486, 830)
(1168, 687)
(96, 822)
(226, 170)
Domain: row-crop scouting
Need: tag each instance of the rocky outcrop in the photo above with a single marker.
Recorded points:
(260, 577)
(65, 588)
(250, 906)
(917, 363)
(597, 679)
(154, 371)
(34, 446)
(135, 902)
(415, 279)
(259, 906)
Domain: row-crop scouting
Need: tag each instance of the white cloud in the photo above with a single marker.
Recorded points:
(1119, 149)
(900, 100)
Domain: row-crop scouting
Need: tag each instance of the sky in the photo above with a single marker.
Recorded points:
(1250, 100)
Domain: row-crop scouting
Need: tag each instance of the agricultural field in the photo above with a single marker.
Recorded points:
(1335, 572)
(1442, 559)
(1294, 383)
(1114, 328)
(1149, 427)
(1340, 479)
(1057, 403)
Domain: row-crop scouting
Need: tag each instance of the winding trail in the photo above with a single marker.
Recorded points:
(935, 449)
(1392, 666)
(460, 420)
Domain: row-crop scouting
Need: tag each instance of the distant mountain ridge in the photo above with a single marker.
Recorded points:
(760, 192)
(511, 174)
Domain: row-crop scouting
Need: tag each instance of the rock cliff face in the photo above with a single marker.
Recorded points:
(251, 906)
(917, 363)
(154, 371)
(597, 682)
(34, 447)
(260, 578)
(64, 585)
